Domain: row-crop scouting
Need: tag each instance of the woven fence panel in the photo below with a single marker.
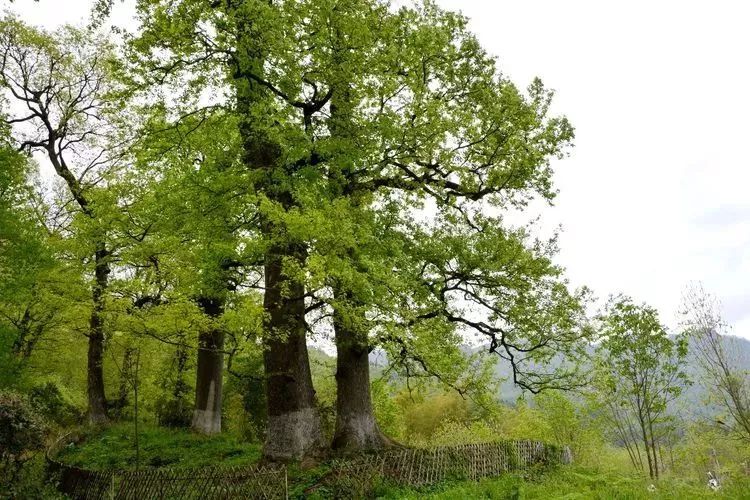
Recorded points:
(404, 466)
(209, 483)
(424, 467)
(212, 483)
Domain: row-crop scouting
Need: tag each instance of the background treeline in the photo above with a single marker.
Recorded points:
(188, 205)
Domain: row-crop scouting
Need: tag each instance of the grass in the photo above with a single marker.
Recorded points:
(114, 448)
(574, 483)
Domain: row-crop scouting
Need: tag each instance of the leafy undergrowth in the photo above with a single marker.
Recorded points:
(114, 448)
(571, 483)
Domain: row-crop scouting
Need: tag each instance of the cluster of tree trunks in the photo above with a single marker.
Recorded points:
(243, 45)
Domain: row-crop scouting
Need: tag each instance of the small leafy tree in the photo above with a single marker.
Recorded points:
(571, 424)
(639, 374)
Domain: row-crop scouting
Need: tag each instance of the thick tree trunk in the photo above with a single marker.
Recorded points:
(293, 429)
(293, 426)
(209, 374)
(356, 427)
(97, 401)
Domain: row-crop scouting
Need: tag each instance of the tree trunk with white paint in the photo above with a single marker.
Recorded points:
(356, 427)
(294, 429)
(209, 375)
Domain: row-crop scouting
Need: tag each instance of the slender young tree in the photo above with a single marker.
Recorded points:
(640, 373)
(719, 358)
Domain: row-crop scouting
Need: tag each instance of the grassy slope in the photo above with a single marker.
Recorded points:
(575, 483)
(114, 448)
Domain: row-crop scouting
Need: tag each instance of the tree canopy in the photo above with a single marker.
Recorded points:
(244, 176)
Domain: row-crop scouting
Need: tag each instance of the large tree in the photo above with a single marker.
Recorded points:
(420, 120)
(358, 105)
(58, 84)
(200, 240)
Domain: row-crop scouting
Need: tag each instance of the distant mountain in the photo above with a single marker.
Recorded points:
(692, 403)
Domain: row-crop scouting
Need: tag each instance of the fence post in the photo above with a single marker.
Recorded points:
(286, 485)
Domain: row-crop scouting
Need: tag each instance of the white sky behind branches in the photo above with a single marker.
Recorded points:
(654, 194)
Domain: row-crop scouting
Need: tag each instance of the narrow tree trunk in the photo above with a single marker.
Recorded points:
(294, 429)
(97, 401)
(356, 427)
(653, 445)
(209, 373)
(117, 407)
(646, 445)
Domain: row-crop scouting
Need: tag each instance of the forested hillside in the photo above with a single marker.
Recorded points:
(697, 398)
(242, 232)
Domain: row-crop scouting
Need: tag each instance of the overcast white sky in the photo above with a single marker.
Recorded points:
(654, 194)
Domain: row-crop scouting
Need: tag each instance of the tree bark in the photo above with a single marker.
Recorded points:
(209, 374)
(97, 400)
(356, 426)
(293, 429)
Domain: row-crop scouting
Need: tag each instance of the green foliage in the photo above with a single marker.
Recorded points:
(27, 286)
(31, 481)
(387, 410)
(245, 397)
(425, 414)
(704, 447)
(22, 432)
(572, 422)
(323, 368)
(52, 405)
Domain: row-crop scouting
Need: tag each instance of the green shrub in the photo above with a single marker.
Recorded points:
(21, 433)
(49, 402)
(171, 412)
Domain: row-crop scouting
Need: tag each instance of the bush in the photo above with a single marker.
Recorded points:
(49, 402)
(21, 433)
(172, 412)
(30, 481)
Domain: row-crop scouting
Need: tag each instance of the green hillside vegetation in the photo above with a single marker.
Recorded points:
(243, 232)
